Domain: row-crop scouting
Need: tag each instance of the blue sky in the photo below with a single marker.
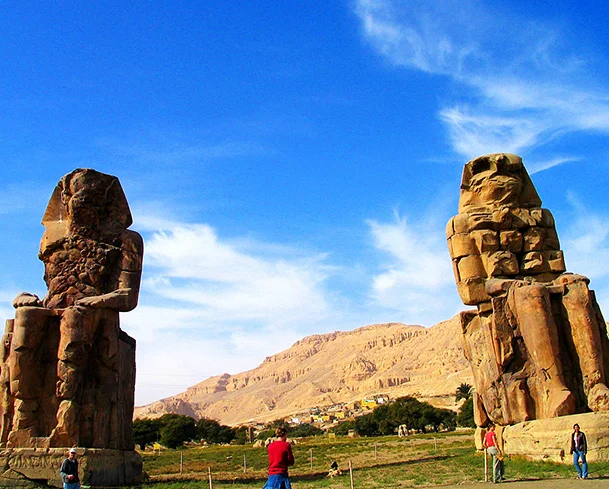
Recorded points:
(292, 165)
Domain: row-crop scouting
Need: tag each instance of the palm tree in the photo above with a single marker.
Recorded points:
(464, 391)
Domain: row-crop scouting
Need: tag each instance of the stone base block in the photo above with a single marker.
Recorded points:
(39, 467)
(549, 439)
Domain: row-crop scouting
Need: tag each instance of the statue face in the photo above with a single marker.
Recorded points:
(494, 188)
(82, 200)
(496, 182)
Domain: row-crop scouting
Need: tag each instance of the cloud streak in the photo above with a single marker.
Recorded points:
(417, 271)
(190, 264)
(520, 88)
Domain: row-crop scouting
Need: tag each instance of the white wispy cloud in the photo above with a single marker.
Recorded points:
(191, 264)
(584, 241)
(519, 87)
(539, 166)
(210, 304)
(416, 273)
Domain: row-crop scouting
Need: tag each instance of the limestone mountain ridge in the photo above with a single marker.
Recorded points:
(328, 369)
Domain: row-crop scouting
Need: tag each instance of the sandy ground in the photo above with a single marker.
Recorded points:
(592, 483)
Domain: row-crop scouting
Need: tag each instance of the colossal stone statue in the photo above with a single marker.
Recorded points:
(537, 341)
(67, 371)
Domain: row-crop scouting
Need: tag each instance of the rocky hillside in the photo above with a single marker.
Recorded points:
(326, 369)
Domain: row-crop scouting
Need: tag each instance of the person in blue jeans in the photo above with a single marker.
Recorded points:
(579, 448)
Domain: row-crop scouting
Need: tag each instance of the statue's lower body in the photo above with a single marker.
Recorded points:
(539, 351)
(68, 380)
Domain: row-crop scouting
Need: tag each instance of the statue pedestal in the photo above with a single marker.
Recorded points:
(549, 439)
(39, 467)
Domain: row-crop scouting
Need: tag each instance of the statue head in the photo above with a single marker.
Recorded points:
(86, 198)
(498, 179)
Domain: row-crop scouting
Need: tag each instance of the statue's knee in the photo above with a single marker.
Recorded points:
(29, 327)
(532, 293)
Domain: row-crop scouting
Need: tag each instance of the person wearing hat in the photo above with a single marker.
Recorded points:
(69, 471)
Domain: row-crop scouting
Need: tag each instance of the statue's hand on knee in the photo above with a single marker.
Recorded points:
(25, 299)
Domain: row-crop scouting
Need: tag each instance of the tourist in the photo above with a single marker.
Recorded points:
(280, 458)
(579, 448)
(334, 469)
(69, 471)
(492, 446)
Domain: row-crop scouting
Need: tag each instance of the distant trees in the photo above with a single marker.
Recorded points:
(294, 431)
(465, 417)
(464, 391)
(304, 429)
(211, 431)
(146, 431)
(268, 431)
(177, 429)
(416, 415)
(173, 430)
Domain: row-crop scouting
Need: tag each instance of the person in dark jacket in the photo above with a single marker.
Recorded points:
(69, 471)
(280, 458)
(579, 448)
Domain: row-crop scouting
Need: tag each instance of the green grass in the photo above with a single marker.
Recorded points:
(399, 463)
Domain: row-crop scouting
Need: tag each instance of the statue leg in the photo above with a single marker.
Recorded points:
(77, 330)
(540, 333)
(585, 332)
(24, 372)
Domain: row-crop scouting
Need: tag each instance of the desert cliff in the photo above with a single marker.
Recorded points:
(326, 369)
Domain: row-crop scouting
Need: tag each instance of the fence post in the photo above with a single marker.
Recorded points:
(244, 464)
(181, 462)
(435, 444)
(374, 450)
(351, 474)
(209, 472)
(311, 456)
(485, 466)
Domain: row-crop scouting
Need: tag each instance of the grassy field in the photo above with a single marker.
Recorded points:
(378, 463)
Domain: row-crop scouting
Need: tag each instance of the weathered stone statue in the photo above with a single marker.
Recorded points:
(67, 371)
(537, 341)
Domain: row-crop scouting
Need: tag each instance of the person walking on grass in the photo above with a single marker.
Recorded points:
(69, 471)
(579, 448)
(280, 458)
(492, 447)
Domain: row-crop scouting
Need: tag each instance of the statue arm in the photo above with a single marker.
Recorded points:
(124, 298)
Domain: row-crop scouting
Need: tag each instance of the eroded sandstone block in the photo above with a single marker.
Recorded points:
(67, 371)
(537, 341)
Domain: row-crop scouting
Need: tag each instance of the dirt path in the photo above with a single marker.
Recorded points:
(593, 483)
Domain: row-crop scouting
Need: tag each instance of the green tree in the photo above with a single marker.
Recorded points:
(465, 417)
(408, 411)
(177, 429)
(464, 391)
(146, 431)
(367, 425)
(269, 429)
(305, 429)
(241, 435)
(213, 432)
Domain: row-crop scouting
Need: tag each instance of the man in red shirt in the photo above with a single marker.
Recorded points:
(280, 458)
